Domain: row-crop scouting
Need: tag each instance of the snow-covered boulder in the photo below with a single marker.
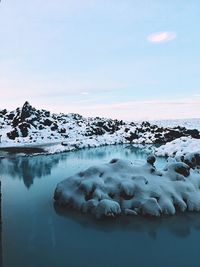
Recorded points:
(179, 147)
(119, 187)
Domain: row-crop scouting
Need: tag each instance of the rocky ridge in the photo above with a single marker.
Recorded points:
(28, 125)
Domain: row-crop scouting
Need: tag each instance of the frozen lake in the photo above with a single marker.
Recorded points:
(37, 234)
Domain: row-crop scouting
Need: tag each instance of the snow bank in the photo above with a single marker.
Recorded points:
(120, 187)
(179, 147)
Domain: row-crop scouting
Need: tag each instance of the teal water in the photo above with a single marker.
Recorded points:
(37, 234)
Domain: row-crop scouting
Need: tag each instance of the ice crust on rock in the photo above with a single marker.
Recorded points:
(119, 187)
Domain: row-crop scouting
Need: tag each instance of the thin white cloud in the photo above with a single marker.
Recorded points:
(161, 37)
(84, 93)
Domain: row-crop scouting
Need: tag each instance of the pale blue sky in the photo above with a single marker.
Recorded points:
(100, 58)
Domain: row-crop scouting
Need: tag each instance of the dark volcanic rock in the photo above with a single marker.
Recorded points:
(192, 159)
(3, 112)
(193, 133)
(26, 114)
(11, 116)
(13, 134)
(24, 128)
(182, 169)
(47, 122)
(132, 137)
(54, 127)
(151, 159)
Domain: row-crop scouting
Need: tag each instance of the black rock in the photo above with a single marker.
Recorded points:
(24, 128)
(151, 159)
(13, 134)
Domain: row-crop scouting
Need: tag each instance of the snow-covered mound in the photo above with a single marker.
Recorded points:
(179, 147)
(119, 187)
(29, 126)
(185, 149)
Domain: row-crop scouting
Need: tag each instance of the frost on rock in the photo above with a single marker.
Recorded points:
(119, 187)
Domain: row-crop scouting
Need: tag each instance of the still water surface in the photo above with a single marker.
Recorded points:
(37, 234)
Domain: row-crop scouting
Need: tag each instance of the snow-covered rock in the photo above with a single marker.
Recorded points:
(185, 149)
(119, 187)
(193, 123)
(179, 147)
(28, 126)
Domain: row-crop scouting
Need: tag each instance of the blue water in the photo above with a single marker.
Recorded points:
(37, 234)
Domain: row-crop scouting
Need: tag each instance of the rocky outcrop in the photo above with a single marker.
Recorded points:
(31, 123)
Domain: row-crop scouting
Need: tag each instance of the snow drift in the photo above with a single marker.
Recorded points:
(119, 187)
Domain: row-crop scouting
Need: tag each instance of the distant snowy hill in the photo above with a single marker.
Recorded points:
(28, 126)
(187, 123)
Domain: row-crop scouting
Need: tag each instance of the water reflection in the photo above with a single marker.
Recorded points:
(29, 168)
(179, 225)
(35, 233)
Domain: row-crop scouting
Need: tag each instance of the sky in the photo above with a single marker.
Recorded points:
(126, 59)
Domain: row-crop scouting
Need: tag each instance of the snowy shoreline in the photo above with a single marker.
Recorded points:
(29, 127)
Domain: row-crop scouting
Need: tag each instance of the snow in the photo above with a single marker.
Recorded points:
(187, 123)
(29, 127)
(179, 147)
(120, 187)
